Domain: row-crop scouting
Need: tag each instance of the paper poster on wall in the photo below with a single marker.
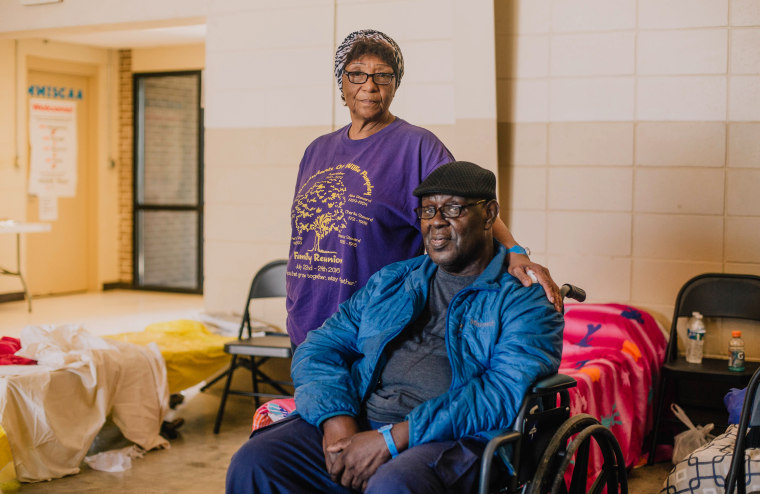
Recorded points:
(48, 208)
(53, 141)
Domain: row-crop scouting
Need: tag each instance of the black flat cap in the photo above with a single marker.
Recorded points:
(459, 178)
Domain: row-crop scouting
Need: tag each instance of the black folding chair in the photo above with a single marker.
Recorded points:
(253, 351)
(719, 295)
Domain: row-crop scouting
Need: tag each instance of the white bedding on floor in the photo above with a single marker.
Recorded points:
(52, 411)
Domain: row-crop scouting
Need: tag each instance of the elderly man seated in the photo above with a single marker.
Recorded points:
(397, 390)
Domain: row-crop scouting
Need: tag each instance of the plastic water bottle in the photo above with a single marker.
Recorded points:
(736, 352)
(696, 338)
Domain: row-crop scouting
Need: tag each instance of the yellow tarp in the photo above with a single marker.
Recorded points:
(192, 353)
(8, 482)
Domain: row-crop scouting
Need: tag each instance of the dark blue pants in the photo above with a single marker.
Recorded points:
(287, 457)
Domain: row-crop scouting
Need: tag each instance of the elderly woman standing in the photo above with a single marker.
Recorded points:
(353, 207)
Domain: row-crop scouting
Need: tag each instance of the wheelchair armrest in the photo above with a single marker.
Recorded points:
(553, 384)
(542, 395)
(545, 391)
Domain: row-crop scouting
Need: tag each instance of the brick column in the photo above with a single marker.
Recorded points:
(125, 166)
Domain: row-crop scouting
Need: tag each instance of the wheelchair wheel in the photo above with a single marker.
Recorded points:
(613, 474)
(555, 451)
(550, 475)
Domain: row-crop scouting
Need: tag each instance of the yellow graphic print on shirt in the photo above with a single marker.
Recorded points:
(324, 205)
(320, 209)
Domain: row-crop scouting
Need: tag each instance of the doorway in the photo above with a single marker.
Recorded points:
(64, 260)
(168, 184)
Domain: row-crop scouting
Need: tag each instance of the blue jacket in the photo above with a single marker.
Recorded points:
(500, 337)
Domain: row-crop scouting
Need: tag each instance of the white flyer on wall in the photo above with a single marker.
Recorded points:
(48, 208)
(53, 142)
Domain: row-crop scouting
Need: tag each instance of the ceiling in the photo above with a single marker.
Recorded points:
(137, 38)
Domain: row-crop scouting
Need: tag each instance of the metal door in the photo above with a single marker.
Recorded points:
(168, 185)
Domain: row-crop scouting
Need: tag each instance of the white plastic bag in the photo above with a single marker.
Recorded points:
(117, 460)
(690, 439)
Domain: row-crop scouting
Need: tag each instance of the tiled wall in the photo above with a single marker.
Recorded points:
(269, 92)
(628, 130)
(629, 140)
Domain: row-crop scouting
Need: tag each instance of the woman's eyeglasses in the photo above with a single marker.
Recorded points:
(380, 78)
(447, 210)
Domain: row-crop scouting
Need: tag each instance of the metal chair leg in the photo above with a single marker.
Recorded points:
(215, 380)
(220, 413)
(657, 419)
(255, 381)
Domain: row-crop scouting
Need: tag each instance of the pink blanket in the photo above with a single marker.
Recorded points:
(615, 353)
(272, 411)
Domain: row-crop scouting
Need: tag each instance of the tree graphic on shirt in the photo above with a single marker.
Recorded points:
(320, 209)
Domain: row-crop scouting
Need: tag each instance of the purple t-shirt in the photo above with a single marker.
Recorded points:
(352, 214)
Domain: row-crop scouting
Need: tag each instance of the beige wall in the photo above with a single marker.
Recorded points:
(258, 123)
(86, 16)
(628, 140)
(113, 173)
(169, 58)
(12, 176)
(22, 29)
(14, 56)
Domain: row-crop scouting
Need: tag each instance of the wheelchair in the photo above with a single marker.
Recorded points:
(545, 440)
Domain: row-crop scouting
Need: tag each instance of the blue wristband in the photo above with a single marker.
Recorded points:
(517, 249)
(386, 432)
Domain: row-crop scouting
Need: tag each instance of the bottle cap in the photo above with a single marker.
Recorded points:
(736, 334)
(696, 314)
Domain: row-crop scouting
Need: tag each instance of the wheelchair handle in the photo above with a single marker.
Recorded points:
(573, 292)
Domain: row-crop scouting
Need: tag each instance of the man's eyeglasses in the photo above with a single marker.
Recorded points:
(447, 210)
(380, 78)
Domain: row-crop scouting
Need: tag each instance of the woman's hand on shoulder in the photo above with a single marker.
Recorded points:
(521, 267)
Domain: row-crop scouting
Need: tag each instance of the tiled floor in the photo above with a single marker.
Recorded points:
(198, 459)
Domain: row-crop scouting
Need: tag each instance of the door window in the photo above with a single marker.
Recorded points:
(168, 209)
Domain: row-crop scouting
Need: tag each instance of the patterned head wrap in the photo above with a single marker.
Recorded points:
(348, 43)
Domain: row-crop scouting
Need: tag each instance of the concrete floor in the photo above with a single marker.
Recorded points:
(197, 460)
(648, 480)
(100, 313)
